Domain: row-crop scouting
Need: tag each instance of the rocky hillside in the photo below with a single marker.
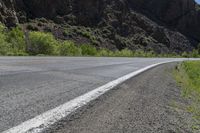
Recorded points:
(164, 26)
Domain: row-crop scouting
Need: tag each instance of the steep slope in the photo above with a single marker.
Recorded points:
(183, 15)
(163, 26)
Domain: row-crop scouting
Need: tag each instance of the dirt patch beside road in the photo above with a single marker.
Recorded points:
(143, 104)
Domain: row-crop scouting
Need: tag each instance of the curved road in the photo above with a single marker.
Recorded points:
(30, 86)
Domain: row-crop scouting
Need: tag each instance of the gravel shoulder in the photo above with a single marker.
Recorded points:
(143, 104)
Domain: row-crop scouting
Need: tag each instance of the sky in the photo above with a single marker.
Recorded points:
(198, 1)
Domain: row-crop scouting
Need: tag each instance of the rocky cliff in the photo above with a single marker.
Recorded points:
(8, 13)
(164, 26)
(183, 15)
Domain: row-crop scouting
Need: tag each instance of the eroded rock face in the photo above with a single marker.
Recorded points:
(161, 25)
(7, 13)
(179, 14)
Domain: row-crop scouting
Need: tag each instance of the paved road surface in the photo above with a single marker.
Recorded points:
(143, 104)
(30, 86)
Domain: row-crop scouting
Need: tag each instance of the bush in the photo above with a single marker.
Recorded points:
(32, 27)
(103, 52)
(124, 53)
(139, 53)
(88, 50)
(195, 54)
(185, 55)
(5, 47)
(42, 43)
(43, 20)
(12, 42)
(68, 48)
(88, 34)
(17, 40)
(150, 54)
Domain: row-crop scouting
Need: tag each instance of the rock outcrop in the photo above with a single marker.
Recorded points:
(164, 26)
(183, 15)
(8, 13)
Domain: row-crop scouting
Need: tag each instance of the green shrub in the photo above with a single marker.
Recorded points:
(195, 54)
(32, 27)
(43, 20)
(5, 47)
(42, 43)
(103, 52)
(125, 53)
(17, 40)
(185, 55)
(139, 53)
(150, 54)
(68, 48)
(88, 34)
(88, 50)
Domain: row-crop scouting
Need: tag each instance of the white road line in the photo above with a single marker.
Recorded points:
(43, 121)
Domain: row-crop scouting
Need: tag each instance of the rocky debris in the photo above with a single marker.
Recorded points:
(162, 26)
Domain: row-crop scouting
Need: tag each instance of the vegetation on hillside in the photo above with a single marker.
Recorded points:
(15, 42)
(12, 42)
(42, 43)
(188, 76)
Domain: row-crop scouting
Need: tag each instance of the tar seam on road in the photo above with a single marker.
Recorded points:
(43, 121)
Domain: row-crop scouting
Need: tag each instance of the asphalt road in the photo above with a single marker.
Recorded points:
(30, 86)
(143, 104)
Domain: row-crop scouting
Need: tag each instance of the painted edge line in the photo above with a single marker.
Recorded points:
(46, 119)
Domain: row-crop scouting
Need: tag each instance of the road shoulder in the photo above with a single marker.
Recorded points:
(145, 103)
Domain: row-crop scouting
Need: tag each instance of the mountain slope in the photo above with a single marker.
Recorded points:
(165, 26)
